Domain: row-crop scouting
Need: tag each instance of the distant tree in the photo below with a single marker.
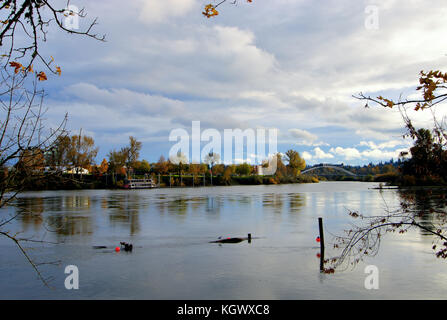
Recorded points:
(194, 168)
(162, 166)
(233, 168)
(243, 169)
(388, 168)
(226, 176)
(203, 168)
(59, 155)
(296, 163)
(133, 150)
(219, 169)
(142, 166)
(281, 169)
(117, 160)
(31, 160)
(82, 151)
(103, 167)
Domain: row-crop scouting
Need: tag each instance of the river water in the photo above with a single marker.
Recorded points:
(173, 258)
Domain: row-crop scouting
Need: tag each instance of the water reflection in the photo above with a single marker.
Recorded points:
(428, 207)
(279, 203)
(174, 227)
(30, 213)
(63, 216)
(274, 201)
(421, 210)
(180, 206)
(123, 210)
(296, 202)
(77, 213)
(70, 224)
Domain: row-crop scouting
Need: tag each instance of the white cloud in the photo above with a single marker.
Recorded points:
(156, 11)
(369, 154)
(320, 154)
(384, 145)
(305, 138)
(377, 154)
(126, 100)
(346, 153)
(306, 155)
(303, 135)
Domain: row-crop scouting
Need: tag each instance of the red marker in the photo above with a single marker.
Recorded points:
(117, 249)
(317, 239)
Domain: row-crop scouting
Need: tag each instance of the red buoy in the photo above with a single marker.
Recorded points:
(317, 239)
(117, 249)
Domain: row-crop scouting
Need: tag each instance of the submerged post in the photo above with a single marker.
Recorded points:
(249, 238)
(320, 225)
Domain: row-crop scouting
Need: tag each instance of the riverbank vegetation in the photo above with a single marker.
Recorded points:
(70, 164)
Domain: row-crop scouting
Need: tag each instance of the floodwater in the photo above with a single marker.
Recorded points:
(172, 258)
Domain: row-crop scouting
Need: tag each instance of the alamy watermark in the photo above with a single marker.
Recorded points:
(372, 18)
(372, 280)
(71, 18)
(253, 146)
(72, 280)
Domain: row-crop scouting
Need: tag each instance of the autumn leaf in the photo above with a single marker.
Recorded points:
(58, 70)
(210, 11)
(41, 76)
(389, 103)
(16, 65)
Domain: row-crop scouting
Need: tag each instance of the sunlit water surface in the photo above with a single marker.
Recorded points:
(173, 259)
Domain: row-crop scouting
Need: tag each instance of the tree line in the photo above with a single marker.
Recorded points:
(73, 157)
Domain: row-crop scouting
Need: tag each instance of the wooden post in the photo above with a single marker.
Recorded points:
(249, 238)
(320, 225)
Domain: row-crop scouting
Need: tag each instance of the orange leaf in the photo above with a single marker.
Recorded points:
(41, 76)
(210, 11)
(16, 65)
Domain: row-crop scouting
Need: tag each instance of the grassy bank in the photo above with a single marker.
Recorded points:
(108, 181)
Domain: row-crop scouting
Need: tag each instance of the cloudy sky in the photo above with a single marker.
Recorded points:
(287, 64)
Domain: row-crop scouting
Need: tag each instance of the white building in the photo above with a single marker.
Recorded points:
(76, 170)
